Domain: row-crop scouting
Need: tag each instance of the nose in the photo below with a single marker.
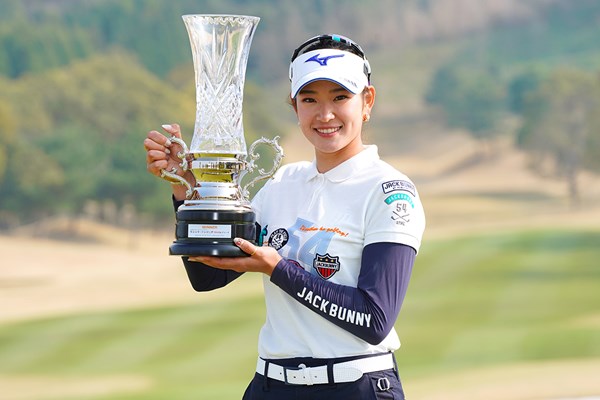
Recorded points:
(325, 113)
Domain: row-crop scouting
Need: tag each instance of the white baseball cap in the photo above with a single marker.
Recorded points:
(342, 67)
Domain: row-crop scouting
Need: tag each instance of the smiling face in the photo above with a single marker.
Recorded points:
(331, 118)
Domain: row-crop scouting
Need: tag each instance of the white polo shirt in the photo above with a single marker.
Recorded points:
(323, 221)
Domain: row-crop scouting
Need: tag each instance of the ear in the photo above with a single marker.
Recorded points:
(368, 102)
(369, 99)
(292, 101)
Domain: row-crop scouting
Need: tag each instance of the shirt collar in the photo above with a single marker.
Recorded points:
(348, 168)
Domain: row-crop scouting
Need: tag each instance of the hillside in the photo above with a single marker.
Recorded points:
(83, 82)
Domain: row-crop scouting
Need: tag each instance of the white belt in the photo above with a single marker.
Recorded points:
(348, 371)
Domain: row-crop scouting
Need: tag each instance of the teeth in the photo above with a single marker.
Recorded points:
(327, 131)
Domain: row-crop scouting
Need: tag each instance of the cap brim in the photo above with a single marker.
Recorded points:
(310, 78)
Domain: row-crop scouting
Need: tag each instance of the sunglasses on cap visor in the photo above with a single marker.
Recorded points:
(321, 38)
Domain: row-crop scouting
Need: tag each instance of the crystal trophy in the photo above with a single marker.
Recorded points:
(217, 208)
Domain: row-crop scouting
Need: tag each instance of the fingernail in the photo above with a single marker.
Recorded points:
(237, 241)
(167, 127)
(167, 151)
(168, 143)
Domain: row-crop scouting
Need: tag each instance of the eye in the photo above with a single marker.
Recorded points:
(307, 100)
(341, 97)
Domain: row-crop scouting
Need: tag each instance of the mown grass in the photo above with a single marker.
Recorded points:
(502, 298)
(474, 301)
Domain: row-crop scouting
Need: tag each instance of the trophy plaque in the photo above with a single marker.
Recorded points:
(217, 208)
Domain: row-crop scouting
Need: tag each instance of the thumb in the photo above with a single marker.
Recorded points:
(246, 246)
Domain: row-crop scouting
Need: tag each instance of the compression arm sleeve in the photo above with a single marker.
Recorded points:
(202, 277)
(382, 285)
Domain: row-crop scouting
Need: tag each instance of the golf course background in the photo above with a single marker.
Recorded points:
(494, 311)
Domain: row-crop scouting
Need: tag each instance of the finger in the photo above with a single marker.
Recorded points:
(246, 246)
(156, 155)
(212, 261)
(155, 161)
(155, 167)
(156, 147)
(158, 139)
(173, 129)
(208, 260)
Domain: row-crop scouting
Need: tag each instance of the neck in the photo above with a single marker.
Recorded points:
(328, 161)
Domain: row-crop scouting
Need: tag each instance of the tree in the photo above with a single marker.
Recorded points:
(560, 128)
(7, 134)
(520, 87)
(471, 99)
(80, 138)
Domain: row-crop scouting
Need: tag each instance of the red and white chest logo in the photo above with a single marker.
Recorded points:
(326, 265)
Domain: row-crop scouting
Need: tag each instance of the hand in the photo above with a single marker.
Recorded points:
(161, 153)
(262, 259)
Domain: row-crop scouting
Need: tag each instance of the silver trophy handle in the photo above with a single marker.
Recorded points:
(172, 176)
(251, 165)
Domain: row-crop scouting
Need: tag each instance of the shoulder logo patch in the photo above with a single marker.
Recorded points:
(399, 197)
(398, 186)
(401, 216)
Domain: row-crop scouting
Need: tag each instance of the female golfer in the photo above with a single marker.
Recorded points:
(340, 237)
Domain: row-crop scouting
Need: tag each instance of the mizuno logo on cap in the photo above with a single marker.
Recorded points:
(323, 60)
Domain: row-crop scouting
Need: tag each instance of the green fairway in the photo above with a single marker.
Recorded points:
(474, 301)
(503, 298)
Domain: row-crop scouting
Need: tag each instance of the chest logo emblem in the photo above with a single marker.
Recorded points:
(326, 265)
(278, 238)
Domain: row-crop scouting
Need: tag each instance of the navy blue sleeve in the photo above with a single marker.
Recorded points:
(203, 277)
(368, 311)
(177, 203)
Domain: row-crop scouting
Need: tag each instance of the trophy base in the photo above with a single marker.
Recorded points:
(203, 249)
(202, 232)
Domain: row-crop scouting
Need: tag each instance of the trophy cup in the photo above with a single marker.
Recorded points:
(217, 208)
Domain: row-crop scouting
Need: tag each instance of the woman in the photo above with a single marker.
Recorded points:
(340, 237)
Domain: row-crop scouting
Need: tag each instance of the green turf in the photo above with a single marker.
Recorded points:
(473, 301)
(502, 298)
